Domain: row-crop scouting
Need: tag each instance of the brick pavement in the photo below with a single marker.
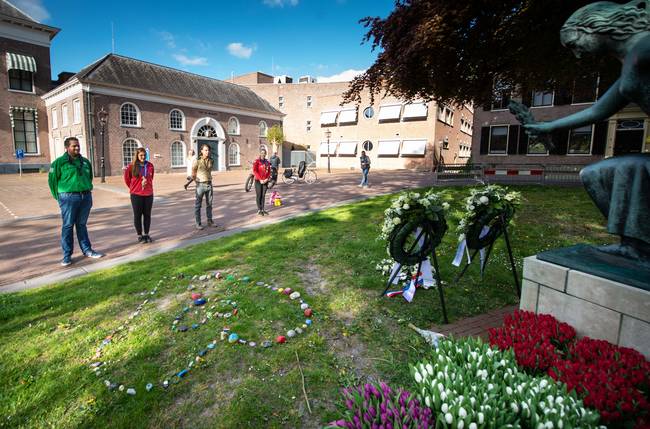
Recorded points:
(31, 247)
(476, 326)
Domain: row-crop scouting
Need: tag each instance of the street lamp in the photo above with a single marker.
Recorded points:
(328, 134)
(102, 116)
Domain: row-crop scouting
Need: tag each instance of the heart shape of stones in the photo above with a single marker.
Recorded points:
(226, 334)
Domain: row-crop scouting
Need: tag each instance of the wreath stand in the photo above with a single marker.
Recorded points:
(434, 258)
(502, 223)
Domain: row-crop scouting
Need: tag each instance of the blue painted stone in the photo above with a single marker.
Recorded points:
(195, 326)
(308, 322)
(183, 373)
(186, 309)
(246, 279)
(233, 338)
(211, 346)
(178, 317)
(182, 328)
(199, 301)
(202, 352)
(149, 387)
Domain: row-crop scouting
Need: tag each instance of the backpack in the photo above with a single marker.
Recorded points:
(302, 166)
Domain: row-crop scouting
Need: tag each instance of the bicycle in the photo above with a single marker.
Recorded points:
(251, 179)
(292, 175)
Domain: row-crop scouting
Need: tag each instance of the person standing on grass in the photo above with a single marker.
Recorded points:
(71, 182)
(189, 162)
(138, 177)
(365, 168)
(262, 173)
(202, 175)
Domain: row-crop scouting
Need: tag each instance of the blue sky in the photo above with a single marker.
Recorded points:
(214, 38)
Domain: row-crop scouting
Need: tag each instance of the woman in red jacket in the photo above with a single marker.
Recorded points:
(138, 176)
(262, 173)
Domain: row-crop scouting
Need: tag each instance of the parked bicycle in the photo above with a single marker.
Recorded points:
(250, 180)
(292, 175)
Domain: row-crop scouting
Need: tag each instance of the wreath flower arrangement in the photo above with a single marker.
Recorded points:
(483, 207)
(409, 212)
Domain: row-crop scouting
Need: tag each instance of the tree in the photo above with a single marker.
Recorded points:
(455, 51)
(275, 136)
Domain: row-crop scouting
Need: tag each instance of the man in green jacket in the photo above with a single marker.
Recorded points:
(71, 182)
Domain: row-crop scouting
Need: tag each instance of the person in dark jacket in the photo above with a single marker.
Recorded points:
(138, 177)
(262, 173)
(365, 168)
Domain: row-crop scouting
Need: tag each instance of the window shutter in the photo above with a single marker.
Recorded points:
(523, 141)
(560, 140)
(600, 138)
(513, 139)
(562, 96)
(485, 140)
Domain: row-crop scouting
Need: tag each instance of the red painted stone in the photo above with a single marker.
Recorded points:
(235, 311)
(281, 339)
(308, 312)
(196, 296)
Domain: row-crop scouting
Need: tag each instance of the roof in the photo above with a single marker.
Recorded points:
(124, 72)
(11, 12)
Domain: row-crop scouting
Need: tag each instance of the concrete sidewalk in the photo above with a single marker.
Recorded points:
(31, 248)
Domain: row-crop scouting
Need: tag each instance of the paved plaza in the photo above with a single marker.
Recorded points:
(30, 223)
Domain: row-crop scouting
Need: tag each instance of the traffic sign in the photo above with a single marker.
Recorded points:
(20, 154)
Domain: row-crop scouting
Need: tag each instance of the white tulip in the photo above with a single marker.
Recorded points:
(484, 200)
(481, 418)
(444, 407)
(449, 418)
(406, 207)
(418, 377)
(473, 426)
(397, 220)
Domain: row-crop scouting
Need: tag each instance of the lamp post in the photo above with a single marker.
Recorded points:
(328, 134)
(102, 116)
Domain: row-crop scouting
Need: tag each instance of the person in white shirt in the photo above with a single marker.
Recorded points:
(188, 163)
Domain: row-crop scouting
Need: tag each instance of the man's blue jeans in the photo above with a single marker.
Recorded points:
(364, 179)
(201, 190)
(75, 209)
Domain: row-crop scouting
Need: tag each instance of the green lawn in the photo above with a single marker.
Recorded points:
(49, 336)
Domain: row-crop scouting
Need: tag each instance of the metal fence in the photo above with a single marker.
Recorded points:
(557, 174)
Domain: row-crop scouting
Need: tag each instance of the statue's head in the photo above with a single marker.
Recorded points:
(592, 28)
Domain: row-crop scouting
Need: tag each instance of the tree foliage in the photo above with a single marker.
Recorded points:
(275, 135)
(453, 51)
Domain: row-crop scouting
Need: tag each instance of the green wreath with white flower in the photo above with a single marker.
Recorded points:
(409, 213)
(492, 206)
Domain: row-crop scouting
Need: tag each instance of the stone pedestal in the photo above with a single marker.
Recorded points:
(594, 306)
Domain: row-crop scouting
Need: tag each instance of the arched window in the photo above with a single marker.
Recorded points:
(176, 120)
(233, 154)
(129, 115)
(178, 154)
(263, 129)
(233, 126)
(207, 131)
(128, 151)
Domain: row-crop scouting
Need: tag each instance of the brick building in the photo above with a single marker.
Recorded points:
(162, 109)
(24, 77)
(394, 133)
(501, 140)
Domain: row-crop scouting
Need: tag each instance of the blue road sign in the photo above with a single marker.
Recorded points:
(20, 154)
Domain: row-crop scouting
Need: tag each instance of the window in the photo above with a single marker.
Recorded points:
(128, 151)
(389, 147)
(55, 119)
(21, 80)
(281, 101)
(64, 115)
(207, 131)
(309, 101)
(446, 115)
(178, 154)
(24, 123)
(498, 140)
(542, 98)
(129, 115)
(233, 126)
(233, 154)
(414, 147)
(263, 129)
(348, 116)
(500, 100)
(176, 120)
(368, 112)
(308, 126)
(535, 147)
(389, 112)
(76, 112)
(465, 126)
(415, 111)
(329, 117)
(580, 140)
(584, 89)
(367, 145)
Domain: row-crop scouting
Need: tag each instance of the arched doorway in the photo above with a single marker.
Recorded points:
(208, 131)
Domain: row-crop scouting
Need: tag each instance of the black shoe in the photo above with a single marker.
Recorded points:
(147, 239)
(265, 213)
(260, 213)
(186, 185)
(141, 239)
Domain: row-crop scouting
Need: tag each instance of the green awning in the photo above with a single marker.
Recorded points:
(21, 62)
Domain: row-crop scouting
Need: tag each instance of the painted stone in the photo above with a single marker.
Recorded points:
(195, 326)
(287, 291)
(291, 333)
(227, 315)
(304, 326)
(211, 346)
(309, 312)
(298, 330)
(233, 338)
(217, 275)
(252, 344)
(107, 383)
(200, 301)
(274, 288)
(230, 277)
(242, 341)
(121, 388)
(308, 322)
(183, 373)
(196, 296)
(223, 335)
(304, 306)
(166, 384)
(182, 328)
(281, 339)
(260, 283)
(235, 311)
(294, 295)
(130, 391)
(203, 278)
(149, 387)
(112, 386)
(245, 279)
(281, 290)
(202, 352)
(266, 344)
(186, 309)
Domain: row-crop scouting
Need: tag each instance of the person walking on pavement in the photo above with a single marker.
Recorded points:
(71, 182)
(202, 175)
(262, 173)
(365, 168)
(189, 162)
(275, 165)
(138, 177)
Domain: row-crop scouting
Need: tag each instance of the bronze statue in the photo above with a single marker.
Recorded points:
(620, 186)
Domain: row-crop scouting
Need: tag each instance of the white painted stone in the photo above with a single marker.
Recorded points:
(610, 294)
(545, 273)
(528, 299)
(587, 318)
(635, 334)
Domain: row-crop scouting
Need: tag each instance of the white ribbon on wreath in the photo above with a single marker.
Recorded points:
(426, 269)
(462, 248)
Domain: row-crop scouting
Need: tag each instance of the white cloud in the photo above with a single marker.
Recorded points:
(239, 50)
(188, 61)
(280, 3)
(344, 76)
(34, 8)
(168, 38)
